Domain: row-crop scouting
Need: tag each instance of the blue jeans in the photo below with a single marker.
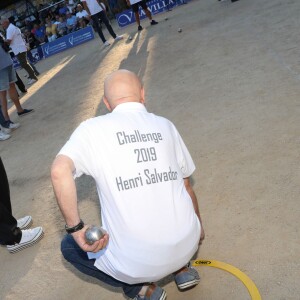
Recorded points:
(79, 259)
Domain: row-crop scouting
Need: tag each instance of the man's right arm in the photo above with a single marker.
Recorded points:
(192, 194)
(66, 195)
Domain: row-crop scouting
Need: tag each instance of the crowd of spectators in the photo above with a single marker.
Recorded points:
(53, 24)
(61, 19)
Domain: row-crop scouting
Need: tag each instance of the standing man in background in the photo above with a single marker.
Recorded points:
(95, 10)
(16, 42)
(7, 84)
(135, 8)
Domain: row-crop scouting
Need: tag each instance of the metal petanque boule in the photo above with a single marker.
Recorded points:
(93, 234)
(179, 30)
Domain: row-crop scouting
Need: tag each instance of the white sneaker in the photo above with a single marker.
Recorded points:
(29, 237)
(106, 44)
(13, 126)
(5, 130)
(24, 223)
(118, 38)
(31, 81)
(4, 136)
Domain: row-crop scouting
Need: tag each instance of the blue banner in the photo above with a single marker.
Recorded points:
(127, 17)
(68, 41)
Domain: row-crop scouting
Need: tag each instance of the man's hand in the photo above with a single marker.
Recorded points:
(202, 236)
(97, 246)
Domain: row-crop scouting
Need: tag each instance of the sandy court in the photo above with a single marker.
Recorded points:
(230, 82)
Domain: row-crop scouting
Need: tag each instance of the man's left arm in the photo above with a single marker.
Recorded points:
(192, 194)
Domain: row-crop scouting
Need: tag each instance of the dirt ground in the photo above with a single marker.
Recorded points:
(230, 83)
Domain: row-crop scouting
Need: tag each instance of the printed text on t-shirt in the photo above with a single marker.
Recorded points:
(143, 155)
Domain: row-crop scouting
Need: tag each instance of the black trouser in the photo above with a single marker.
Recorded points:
(20, 84)
(96, 23)
(9, 232)
(22, 57)
(31, 61)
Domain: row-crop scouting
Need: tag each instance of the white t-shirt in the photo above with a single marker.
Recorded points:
(93, 6)
(17, 44)
(138, 161)
(81, 14)
(134, 1)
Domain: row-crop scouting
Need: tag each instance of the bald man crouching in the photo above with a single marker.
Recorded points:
(149, 210)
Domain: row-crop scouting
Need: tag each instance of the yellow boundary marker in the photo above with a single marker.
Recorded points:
(249, 284)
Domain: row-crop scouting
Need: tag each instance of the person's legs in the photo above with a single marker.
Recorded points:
(2, 119)
(20, 84)
(36, 72)
(144, 6)
(9, 232)
(97, 26)
(22, 57)
(4, 86)
(104, 19)
(3, 101)
(135, 10)
(10, 76)
(137, 18)
(13, 94)
(79, 259)
(148, 13)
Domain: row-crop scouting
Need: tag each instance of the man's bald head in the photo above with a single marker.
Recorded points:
(122, 86)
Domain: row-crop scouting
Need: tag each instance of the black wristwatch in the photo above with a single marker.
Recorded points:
(75, 228)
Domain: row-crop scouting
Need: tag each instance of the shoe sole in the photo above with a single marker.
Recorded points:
(16, 127)
(38, 237)
(27, 225)
(5, 138)
(5, 130)
(163, 295)
(189, 284)
(26, 113)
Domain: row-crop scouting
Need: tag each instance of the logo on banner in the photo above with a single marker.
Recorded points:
(46, 49)
(68, 41)
(71, 39)
(125, 18)
(155, 6)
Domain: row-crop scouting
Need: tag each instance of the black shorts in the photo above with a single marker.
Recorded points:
(142, 4)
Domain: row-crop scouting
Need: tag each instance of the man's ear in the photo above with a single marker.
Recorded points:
(143, 95)
(107, 103)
